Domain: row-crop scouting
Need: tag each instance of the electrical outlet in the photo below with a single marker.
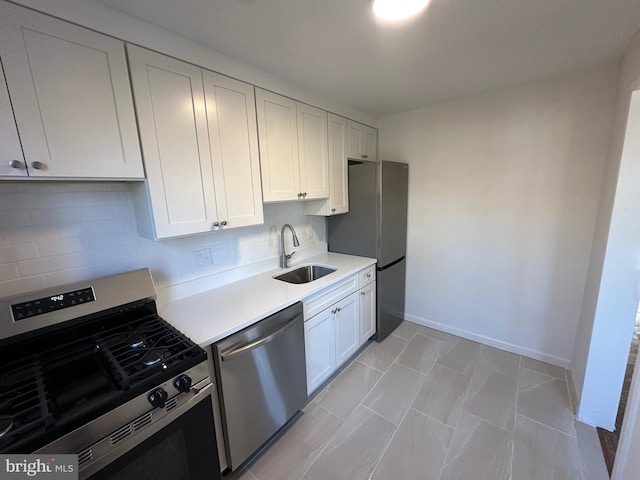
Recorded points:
(202, 257)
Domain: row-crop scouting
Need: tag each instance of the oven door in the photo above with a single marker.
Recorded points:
(182, 448)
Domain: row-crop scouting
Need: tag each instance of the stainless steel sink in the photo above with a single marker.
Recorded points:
(306, 274)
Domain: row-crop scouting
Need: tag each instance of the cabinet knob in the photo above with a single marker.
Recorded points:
(215, 224)
(16, 164)
(362, 293)
(333, 209)
(223, 223)
(37, 165)
(299, 195)
(363, 156)
(304, 194)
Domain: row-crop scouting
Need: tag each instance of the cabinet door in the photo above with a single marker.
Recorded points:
(233, 141)
(312, 148)
(338, 165)
(370, 145)
(278, 135)
(355, 135)
(347, 320)
(367, 312)
(11, 159)
(71, 97)
(362, 142)
(173, 131)
(320, 346)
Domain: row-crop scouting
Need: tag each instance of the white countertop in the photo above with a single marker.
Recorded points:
(212, 315)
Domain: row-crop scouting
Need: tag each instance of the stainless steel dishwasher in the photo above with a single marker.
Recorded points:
(262, 380)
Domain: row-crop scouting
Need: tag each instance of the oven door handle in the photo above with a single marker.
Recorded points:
(259, 342)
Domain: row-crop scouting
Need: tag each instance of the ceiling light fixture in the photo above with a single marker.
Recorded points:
(393, 10)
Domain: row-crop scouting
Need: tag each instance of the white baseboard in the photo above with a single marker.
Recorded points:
(493, 342)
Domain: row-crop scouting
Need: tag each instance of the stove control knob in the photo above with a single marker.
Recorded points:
(182, 383)
(158, 397)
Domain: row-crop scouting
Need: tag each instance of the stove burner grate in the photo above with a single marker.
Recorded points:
(24, 400)
(139, 349)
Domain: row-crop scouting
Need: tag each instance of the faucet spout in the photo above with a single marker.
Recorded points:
(284, 258)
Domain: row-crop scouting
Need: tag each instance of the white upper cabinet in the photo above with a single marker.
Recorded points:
(233, 141)
(200, 148)
(312, 145)
(362, 142)
(169, 97)
(338, 201)
(11, 159)
(293, 148)
(71, 97)
(278, 134)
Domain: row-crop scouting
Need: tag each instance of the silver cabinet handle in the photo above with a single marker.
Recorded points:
(339, 308)
(333, 209)
(37, 165)
(304, 194)
(16, 164)
(223, 223)
(363, 156)
(362, 293)
(215, 224)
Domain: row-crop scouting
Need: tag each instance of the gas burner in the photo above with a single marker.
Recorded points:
(153, 357)
(136, 342)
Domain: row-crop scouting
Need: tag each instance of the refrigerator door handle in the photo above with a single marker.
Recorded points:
(389, 265)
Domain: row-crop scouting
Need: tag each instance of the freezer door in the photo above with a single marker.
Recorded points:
(390, 285)
(393, 209)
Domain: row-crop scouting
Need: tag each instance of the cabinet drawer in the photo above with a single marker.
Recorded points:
(328, 296)
(367, 275)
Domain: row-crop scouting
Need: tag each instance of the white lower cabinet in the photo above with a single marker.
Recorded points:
(320, 348)
(367, 311)
(347, 324)
(335, 333)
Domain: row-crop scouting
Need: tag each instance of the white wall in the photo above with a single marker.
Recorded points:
(54, 233)
(503, 195)
(611, 294)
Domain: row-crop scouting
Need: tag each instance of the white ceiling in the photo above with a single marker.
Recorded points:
(456, 47)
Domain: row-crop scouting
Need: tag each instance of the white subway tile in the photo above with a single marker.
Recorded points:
(62, 246)
(89, 187)
(32, 234)
(15, 253)
(8, 271)
(84, 258)
(118, 225)
(22, 285)
(41, 265)
(14, 218)
(119, 253)
(77, 230)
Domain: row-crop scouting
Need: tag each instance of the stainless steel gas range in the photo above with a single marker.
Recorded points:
(91, 369)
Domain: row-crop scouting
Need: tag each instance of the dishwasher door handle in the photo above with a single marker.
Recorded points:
(257, 343)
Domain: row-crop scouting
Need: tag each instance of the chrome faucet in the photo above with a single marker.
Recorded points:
(284, 258)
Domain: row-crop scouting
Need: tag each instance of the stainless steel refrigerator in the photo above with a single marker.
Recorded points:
(376, 226)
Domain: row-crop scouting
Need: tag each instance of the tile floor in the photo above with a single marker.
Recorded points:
(428, 405)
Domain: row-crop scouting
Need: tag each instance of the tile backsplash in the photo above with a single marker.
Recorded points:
(55, 233)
